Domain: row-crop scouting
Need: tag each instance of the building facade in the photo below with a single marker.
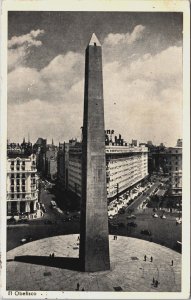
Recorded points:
(174, 165)
(62, 166)
(125, 167)
(22, 181)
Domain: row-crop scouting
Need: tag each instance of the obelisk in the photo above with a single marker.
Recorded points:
(94, 240)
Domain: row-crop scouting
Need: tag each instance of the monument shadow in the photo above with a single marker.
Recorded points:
(70, 263)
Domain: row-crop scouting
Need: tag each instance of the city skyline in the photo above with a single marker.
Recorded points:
(142, 64)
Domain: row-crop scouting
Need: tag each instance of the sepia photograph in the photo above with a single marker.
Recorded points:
(95, 181)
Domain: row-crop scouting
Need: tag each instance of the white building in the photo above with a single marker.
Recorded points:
(22, 183)
(174, 165)
(125, 167)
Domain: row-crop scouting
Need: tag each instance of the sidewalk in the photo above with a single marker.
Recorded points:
(129, 271)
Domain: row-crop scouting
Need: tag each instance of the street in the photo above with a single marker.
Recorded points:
(163, 231)
(37, 229)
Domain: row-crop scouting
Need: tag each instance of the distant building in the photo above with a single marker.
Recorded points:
(125, 166)
(179, 143)
(174, 165)
(22, 181)
(62, 166)
(51, 162)
(40, 150)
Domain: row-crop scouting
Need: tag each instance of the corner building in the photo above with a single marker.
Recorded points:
(125, 167)
(22, 182)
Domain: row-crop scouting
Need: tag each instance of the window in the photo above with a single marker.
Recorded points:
(12, 181)
(23, 196)
(18, 181)
(18, 162)
(23, 163)
(23, 181)
(176, 169)
(12, 196)
(18, 189)
(12, 163)
(18, 168)
(23, 189)
(18, 175)
(18, 196)
(23, 168)
(23, 175)
(12, 176)
(12, 189)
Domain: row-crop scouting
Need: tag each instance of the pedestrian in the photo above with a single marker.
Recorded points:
(172, 262)
(53, 255)
(153, 281)
(50, 255)
(116, 237)
(78, 238)
(78, 286)
(156, 283)
(145, 258)
(151, 259)
(83, 289)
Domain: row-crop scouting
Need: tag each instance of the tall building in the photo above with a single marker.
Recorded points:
(40, 150)
(174, 165)
(22, 181)
(62, 166)
(94, 239)
(125, 167)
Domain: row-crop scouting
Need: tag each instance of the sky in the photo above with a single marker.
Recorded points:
(142, 74)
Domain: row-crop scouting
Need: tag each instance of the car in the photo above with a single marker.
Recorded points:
(178, 221)
(12, 220)
(146, 232)
(131, 217)
(163, 217)
(155, 216)
(132, 224)
(26, 239)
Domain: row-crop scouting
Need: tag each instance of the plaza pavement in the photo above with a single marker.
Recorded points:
(30, 268)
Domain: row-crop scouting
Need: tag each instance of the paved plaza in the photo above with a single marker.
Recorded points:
(29, 267)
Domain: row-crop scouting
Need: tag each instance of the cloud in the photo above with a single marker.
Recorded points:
(43, 119)
(142, 95)
(19, 48)
(113, 39)
(27, 39)
(57, 82)
(145, 101)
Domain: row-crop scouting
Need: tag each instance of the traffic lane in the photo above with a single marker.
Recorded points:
(163, 231)
(39, 231)
(142, 197)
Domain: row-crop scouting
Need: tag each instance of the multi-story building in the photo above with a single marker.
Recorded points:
(22, 181)
(40, 150)
(126, 166)
(75, 167)
(62, 166)
(174, 165)
(51, 161)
